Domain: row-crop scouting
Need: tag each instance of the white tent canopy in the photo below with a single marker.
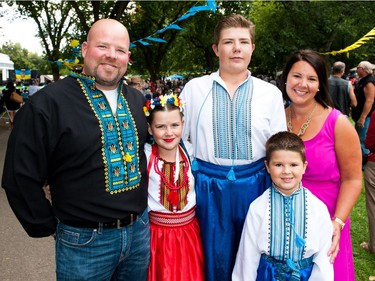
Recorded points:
(5, 66)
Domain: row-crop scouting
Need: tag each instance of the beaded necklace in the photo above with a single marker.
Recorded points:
(171, 185)
(305, 125)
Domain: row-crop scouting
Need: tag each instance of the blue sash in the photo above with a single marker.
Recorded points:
(273, 270)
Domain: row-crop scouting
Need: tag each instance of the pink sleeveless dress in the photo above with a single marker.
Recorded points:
(322, 178)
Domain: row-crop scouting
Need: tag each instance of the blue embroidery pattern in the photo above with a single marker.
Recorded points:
(119, 137)
(289, 214)
(232, 122)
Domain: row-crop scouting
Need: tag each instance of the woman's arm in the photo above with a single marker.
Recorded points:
(350, 165)
(349, 158)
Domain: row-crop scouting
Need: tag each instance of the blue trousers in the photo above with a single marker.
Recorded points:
(221, 210)
(103, 254)
(362, 134)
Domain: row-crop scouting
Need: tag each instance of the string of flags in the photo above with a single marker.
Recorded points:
(370, 35)
(73, 62)
(210, 6)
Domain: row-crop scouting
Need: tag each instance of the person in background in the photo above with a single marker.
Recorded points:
(353, 78)
(33, 88)
(341, 91)
(365, 94)
(176, 248)
(229, 115)
(137, 82)
(369, 177)
(84, 135)
(12, 106)
(326, 133)
(288, 230)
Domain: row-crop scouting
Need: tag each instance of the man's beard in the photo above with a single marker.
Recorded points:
(102, 80)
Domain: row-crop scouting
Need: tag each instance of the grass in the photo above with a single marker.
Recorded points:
(364, 262)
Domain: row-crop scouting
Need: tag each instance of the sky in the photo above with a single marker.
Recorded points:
(21, 31)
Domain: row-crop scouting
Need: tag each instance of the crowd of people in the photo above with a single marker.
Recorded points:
(226, 177)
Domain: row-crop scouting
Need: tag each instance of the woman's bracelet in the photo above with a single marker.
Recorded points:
(339, 221)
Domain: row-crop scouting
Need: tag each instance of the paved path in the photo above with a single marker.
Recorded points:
(21, 257)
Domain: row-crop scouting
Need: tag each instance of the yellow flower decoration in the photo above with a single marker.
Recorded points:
(128, 158)
(74, 43)
(145, 110)
(163, 100)
(176, 100)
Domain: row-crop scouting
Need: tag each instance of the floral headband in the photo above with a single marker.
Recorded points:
(162, 100)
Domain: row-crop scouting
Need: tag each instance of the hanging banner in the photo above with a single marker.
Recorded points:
(370, 35)
(210, 6)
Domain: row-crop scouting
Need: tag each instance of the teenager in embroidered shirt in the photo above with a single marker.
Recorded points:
(288, 230)
(332, 149)
(229, 116)
(176, 251)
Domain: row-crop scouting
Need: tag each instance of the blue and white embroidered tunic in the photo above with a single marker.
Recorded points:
(221, 128)
(286, 230)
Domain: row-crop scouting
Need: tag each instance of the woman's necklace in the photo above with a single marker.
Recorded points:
(304, 125)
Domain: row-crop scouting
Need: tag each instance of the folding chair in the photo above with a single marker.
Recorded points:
(5, 115)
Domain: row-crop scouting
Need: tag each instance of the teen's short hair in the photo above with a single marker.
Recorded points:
(233, 21)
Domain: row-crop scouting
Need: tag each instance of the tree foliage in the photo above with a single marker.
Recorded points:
(281, 28)
(23, 59)
(17, 54)
(53, 20)
(284, 27)
(188, 51)
(148, 17)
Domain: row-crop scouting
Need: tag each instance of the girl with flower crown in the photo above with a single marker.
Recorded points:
(176, 251)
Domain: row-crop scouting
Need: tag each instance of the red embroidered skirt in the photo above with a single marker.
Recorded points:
(176, 248)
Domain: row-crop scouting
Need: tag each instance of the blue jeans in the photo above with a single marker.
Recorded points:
(362, 134)
(103, 254)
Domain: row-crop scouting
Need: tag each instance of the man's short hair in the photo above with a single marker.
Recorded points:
(338, 67)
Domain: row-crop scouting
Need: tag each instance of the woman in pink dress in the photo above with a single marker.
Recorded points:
(333, 150)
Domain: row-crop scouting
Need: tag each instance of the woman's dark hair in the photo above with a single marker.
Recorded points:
(10, 86)
(319, 64)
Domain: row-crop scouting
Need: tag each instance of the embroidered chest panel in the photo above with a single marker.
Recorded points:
(232, 122)
(288, 225)
(119, 138)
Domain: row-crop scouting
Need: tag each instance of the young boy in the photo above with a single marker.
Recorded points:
(288, 231)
